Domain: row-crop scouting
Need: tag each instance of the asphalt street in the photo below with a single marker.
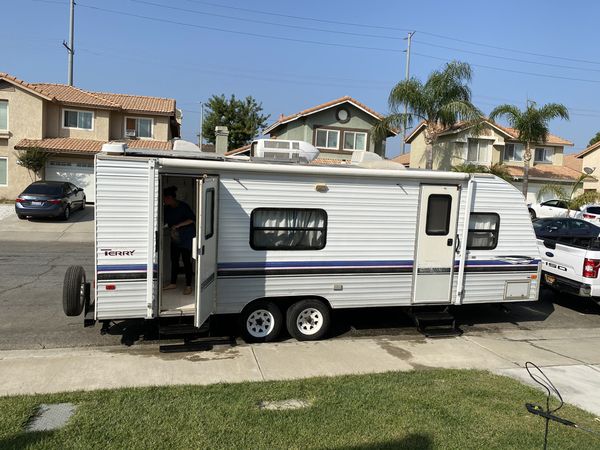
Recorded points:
(32, 316)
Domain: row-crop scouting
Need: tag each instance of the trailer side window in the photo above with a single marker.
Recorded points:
(483, 231)
(209, 213)
(438, 214)
(288, 229)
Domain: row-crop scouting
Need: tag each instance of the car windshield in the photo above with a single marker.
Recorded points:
(44, 189)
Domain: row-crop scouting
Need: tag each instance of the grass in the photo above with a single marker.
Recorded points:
(429, 409)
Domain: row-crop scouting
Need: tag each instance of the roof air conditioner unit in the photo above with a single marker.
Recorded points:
(283, 150)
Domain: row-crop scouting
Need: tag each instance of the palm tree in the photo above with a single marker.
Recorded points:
(441, 102)
(500, 170)
(574, 202)
(532, 126)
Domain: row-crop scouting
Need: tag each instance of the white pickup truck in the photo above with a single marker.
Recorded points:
(570, 251)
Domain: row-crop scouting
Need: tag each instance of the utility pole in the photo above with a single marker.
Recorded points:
(407, 76)
(71, 46)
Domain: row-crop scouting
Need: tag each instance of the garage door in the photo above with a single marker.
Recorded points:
(81, 174)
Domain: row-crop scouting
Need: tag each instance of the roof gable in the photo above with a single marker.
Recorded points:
(588, 150)
(331, 104)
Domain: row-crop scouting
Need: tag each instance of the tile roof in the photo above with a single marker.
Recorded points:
(238, 150)
(573, 162)
(402, 159)
(75, 96)
(330, 161)
(589, 149)
(513, 134)
(546, 171)
(314, 109)
(86, 146)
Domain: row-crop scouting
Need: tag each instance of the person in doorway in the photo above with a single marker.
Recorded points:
(181, 221)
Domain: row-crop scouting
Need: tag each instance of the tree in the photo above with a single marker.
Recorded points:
(441, 102)
(532, 126)
(568, 195)
(500, 170)
(34, 160)
(595, 139)
(243, 118)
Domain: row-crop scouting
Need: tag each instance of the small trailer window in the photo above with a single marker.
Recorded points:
(209, 215)
(483, 231)
(438, 215)
(288, 229)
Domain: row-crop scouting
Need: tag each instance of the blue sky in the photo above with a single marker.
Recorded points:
(191, 49)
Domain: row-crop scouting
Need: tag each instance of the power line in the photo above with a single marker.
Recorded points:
(244, 33)
(264, 22)
(544, 75)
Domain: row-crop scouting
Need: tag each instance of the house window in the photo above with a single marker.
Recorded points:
(544, 155)
(327, 139)
(438, 215)
(355, 141)
(483, 231)
(478, 151)
(3, 115)
(513, 152)
(138, 127)
(3, 171)
(288, 229)
(81, 120)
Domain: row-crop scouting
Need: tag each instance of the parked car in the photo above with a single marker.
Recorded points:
(550, 208)
(570, 251)
(49, 199)
(591, 213)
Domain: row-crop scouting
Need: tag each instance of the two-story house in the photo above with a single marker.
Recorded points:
(590, 158)
(337, 128)
(72, 124)
(495, 144)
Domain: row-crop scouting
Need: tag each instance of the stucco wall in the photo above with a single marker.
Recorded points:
(304, 128)
(25, 120)
(100, 124)
(592, 160)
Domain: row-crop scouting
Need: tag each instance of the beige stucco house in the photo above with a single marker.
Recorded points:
(590, 157)
(337, 128)
(72, 124)
(495, 144)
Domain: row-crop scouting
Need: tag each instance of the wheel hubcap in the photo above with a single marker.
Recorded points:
(310, 321)
(260, 323)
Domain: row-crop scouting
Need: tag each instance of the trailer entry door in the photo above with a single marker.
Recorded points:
(205, 248)
(436, 244)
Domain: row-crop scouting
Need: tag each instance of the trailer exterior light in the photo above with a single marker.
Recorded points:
(590, 268)
(321, 187)
(110, 287)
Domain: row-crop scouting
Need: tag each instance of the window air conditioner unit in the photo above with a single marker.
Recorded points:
(283, 150)
(130, 133)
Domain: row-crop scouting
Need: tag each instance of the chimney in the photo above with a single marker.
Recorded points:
(221, 135)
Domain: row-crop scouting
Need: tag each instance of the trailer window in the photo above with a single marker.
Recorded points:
(438, 215)
(209, 213)
(288, 229)
(483, 231)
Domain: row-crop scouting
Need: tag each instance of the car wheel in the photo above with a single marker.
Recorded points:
(83, 204)
(261, 322)
(74, 291)
(21, 217)
(532, 214)
(308, 320)
(66, 213)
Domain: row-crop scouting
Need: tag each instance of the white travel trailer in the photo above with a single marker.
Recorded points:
(284, 244)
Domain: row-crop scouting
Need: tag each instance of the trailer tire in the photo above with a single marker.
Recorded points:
(261, 321)
(74, 291)
(308, 320)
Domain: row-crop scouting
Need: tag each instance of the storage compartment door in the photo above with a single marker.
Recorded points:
(436, 244)
(205, 248)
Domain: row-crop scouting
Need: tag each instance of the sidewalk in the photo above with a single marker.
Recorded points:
(571, 357)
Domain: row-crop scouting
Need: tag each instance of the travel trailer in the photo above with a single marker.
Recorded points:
(282, 244)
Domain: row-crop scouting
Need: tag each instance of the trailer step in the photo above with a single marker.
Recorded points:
(182, 329)
(434, 323)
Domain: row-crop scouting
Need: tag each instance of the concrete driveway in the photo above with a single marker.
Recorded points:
(79, 228)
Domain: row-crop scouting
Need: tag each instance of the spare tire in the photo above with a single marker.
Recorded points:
(74, 291)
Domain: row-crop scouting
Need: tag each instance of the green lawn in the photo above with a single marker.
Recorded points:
(427, 409)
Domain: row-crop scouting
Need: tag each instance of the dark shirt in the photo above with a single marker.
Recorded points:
(174, 215)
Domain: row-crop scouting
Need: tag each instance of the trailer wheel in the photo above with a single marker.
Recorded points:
(74, 291)
(308, 320)
(261, 322)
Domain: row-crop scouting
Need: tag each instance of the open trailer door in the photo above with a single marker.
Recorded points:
(205, 248)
